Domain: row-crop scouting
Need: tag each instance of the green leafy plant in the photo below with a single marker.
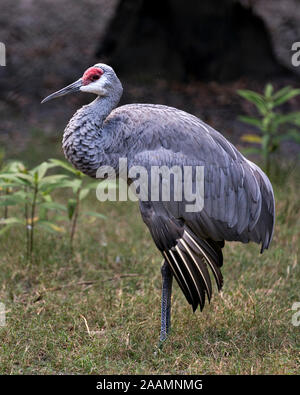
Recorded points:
(31, 189)
(31, 192)
(6, 187)
(270, 121)
(80, 190)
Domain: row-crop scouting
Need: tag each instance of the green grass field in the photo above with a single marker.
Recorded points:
(98, 312)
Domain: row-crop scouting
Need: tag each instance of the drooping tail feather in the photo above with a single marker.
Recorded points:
(189, 260)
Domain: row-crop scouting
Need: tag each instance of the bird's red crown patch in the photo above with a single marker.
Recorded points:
(92, 74)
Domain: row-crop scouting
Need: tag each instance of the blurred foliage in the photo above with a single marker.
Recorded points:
(80, 192)
(32, 192)
(270, 122)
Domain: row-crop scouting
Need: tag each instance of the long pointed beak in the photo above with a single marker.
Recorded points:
(74, 87)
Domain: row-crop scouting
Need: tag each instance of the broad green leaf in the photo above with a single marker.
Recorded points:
(7, 176)
(67, 166)
(254, 98)
(46, 181)
(287, 96)
(28, 177)
(42, 169)
(281, 92)
(251, 121)
(292, 118)
(14, 178)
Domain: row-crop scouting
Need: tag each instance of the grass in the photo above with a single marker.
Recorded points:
(99, 311)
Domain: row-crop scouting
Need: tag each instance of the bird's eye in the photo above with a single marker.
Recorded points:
(95, 77)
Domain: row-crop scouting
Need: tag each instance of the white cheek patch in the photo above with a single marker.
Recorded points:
(88, 88)
(96, 87)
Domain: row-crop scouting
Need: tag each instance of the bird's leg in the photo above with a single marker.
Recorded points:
(167, 278)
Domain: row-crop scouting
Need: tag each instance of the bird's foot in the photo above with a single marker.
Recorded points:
(162, 339)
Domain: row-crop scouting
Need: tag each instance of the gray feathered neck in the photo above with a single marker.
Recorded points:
(85, 140)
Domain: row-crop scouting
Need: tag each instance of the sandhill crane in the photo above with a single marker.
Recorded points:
(238, 197)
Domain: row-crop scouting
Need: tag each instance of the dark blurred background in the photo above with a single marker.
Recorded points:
(190, 54)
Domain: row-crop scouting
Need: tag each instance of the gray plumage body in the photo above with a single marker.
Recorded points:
(239, 202)
(238, 196)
